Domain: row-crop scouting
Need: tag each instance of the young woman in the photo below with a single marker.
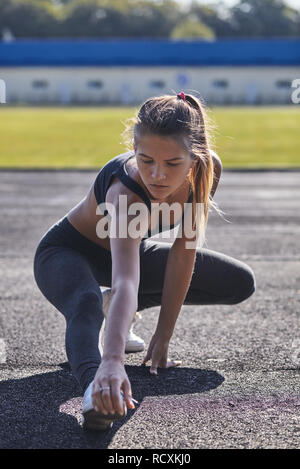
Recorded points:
(171, 163)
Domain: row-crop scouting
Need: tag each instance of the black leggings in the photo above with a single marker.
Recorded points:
(69, 270)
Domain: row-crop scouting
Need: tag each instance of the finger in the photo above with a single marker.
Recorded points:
(126, 388)
(107, 401)
(96, 402)
(96, 399)
(148, 355)
(117, 397)
(146, 359)
(163, 363)
(149, 352)
(172, 363)
(153, 369)
(155, 363)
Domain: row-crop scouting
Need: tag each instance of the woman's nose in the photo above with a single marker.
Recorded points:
(158, 174)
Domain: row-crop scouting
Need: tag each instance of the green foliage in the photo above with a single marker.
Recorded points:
(100, 18)
(147, 18)
(265, 18)
(218, 21)
(28, 18)
(189, 29)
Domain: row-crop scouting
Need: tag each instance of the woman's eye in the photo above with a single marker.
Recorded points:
(169, 164)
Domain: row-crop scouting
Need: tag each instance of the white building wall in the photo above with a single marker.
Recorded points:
(130, 85)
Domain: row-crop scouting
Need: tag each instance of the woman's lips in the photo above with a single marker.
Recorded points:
(158, 187)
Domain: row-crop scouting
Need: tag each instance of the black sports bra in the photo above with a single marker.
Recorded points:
(117, 167)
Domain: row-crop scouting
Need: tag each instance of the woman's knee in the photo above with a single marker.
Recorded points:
(88, 301)
(84, 309)
(246, 285)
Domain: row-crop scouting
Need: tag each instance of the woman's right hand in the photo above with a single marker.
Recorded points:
(112, 376)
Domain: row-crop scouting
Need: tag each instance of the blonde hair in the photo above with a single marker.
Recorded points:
(186, 121)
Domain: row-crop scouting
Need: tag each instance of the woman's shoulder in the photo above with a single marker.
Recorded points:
(128, 181)
(118, 159)
(215, 157)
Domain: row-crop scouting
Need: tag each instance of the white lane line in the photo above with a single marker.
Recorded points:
(2, 351)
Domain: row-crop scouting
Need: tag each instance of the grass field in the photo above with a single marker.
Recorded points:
(47, 137)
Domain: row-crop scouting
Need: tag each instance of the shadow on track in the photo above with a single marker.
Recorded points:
(44, 410)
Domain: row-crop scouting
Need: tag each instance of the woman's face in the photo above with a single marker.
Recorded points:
(162, 161)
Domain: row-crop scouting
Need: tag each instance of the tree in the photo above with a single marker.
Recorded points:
(147, 18)
(191, 29)
(217, 18)
(129, 18)
(27, 18)
(264, 18)
(90, 20)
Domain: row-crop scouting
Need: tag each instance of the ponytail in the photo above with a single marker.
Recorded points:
(202, 173)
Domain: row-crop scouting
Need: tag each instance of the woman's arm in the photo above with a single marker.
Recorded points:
(125, 258)
(111, 373)
(217, 171)
(179, 270)
(124, 303)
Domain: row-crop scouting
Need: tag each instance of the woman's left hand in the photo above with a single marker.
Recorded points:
(158, 353)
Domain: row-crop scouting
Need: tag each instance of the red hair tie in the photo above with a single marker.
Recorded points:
(181, 96)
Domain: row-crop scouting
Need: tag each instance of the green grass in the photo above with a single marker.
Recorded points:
(88, 137)
(258, 137)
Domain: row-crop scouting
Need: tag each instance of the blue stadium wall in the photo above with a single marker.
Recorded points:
(128, 71)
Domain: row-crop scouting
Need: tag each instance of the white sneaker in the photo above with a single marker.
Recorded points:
(93, 420)
(134, 343)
